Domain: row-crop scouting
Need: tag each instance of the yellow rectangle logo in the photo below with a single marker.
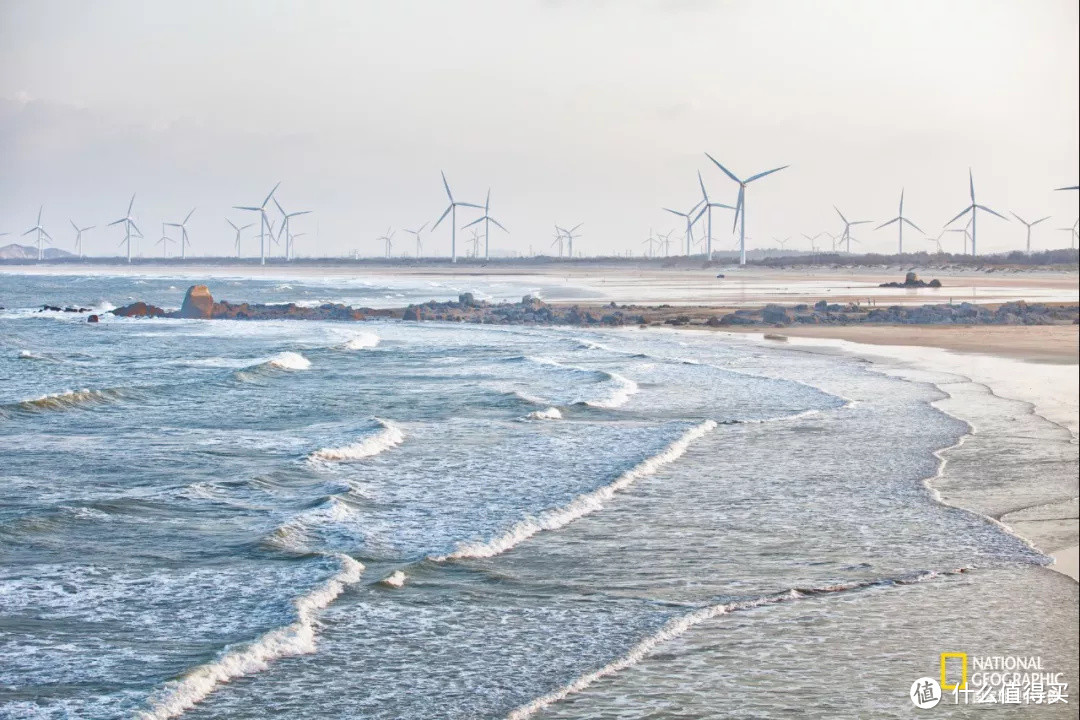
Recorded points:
(962, 684)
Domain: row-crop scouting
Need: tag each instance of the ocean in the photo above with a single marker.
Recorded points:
(228, 519)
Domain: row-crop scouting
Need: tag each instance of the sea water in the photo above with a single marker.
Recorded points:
(229, 519)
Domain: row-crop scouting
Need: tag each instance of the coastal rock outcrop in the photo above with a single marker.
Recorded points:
(198, 303)
(911, 280)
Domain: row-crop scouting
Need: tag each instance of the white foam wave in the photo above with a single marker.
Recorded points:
(178, 696)
(289, 360)
(581, 505)
(361, 341)
(388, 436)
(679, 625)
(395, 579)
(551, 413)
(623, 388)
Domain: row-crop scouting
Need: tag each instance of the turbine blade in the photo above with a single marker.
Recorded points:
(231, 223)
(726, 171)
(497, 224)
(992, 212)
(246, 207)
(189, 216)
(1019, 218)
(961, 214)
(840, 214)
(447, 186)
(135, 226)
(675, 212)
(270, 195)
(1071, 187)
(971, 181)
(472, 205)
(752, 178)
(441, 217)
(474, 222)
(131, 204)
(904, 219)
(895, 219)
(74, 225)
(701, 182)
(116, 222)
(738, 208)
(1040, 220)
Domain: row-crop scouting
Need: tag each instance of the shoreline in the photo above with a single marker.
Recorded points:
(996, 370)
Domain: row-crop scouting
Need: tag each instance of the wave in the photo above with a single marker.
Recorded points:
(289, 360)
(361, 341)
(580, 506)
(623, 388)
(68, 400)
(389, 435)
(395, 579)
(551, 413)
(298, 638)
(679, 625)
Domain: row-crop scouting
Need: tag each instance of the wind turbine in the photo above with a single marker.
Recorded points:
(1028, 225)
(848, 224)
(707, 211)
(452, 211)
(286, 222)
(973, 208)
(238, 231)
(570, 237)
(164, 240)
(900, 220)
(487, 220)
(559, 237)
(78, 236)
(740, 205)
(967, 234)
(474, 240)
(263, 222)
(128, 224)
(388, 239)
(782, 243)
(690, 220)
(184, 242)
(936, 241)
(40, 233)
(416, 233)
(812, 239)
(1074, 232)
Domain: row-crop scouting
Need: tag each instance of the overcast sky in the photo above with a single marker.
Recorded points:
(594, 112)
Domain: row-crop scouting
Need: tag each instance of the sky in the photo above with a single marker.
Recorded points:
(570, 112)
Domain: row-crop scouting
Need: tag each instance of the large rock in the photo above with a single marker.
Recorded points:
(198, 303)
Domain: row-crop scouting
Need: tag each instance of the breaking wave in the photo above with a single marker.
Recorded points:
(298, 638)
(289, 360)
(679, 625)
(362, 341)
(551, 413)
(581, 505)
(389, 435)
(68, 400)
(622, 389)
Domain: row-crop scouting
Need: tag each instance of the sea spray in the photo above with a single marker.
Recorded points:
(581, 505)
(298, 638)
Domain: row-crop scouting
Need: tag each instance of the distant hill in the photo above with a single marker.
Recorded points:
(29, 252)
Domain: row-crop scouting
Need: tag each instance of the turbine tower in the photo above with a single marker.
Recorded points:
(487, 220)
(452, 211)
(740, 204)
(264, 221)
(848, 224)
(900, 220)
(78, 236)
(416, 234)
(708, 205)
(1028, 225)
(40, 234)
(184, 242)
(973, 208)
(128, 224)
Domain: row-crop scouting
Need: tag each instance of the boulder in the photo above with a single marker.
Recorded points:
(92, 319)
(198, 303)
(139, 309)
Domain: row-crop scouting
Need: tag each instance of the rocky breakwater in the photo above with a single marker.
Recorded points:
(911, 280)
(199, 304)
(825, 313)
